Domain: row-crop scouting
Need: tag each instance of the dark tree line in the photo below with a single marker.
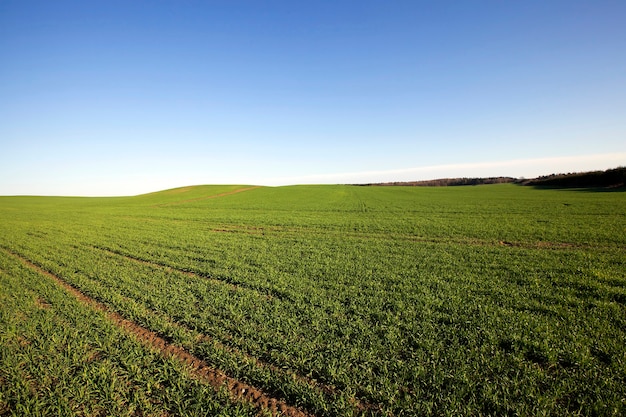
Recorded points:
(445, 182)
(613, 178)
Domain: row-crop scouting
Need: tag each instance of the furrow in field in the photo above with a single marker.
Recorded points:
(257, 362)
(266, 293)
(167, 268)
(200, 369)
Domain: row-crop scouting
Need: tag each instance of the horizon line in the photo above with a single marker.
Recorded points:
(515, 168)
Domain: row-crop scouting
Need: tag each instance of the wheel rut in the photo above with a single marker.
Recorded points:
(266, 293)
(200, 369)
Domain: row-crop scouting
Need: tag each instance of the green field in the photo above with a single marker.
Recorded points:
(334, 300)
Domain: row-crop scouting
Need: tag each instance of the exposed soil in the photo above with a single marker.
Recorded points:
(200, 369)
(240, 229)
(42, 303)
(538, 245)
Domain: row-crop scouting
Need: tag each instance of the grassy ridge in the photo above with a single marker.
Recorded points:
(485, 300)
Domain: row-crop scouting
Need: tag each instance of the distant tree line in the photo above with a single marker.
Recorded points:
(447, 182)
(611, 178)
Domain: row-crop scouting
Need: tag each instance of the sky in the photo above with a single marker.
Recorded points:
(127, 97)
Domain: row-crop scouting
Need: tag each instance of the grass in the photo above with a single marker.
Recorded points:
(342, 300)
(59, 357)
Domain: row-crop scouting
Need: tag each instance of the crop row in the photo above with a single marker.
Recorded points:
(59, 356)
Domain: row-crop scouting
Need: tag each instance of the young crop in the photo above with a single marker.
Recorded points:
(344, 300)
(60, 357)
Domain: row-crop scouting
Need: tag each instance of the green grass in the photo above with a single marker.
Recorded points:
(59, 357)
(485, 300)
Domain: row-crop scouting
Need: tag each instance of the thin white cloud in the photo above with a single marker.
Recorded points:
(517, 168)
(143, 183)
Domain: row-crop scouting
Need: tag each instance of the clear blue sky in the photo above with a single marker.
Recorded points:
(125, 97)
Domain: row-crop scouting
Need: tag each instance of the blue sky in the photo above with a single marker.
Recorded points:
(126, 97)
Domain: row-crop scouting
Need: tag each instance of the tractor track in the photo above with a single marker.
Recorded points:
(265, 293)
(326, 389)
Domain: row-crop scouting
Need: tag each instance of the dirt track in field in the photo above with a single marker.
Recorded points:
(200, 369)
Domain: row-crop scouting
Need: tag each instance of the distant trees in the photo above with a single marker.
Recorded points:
(613, 178)
(447, 182)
